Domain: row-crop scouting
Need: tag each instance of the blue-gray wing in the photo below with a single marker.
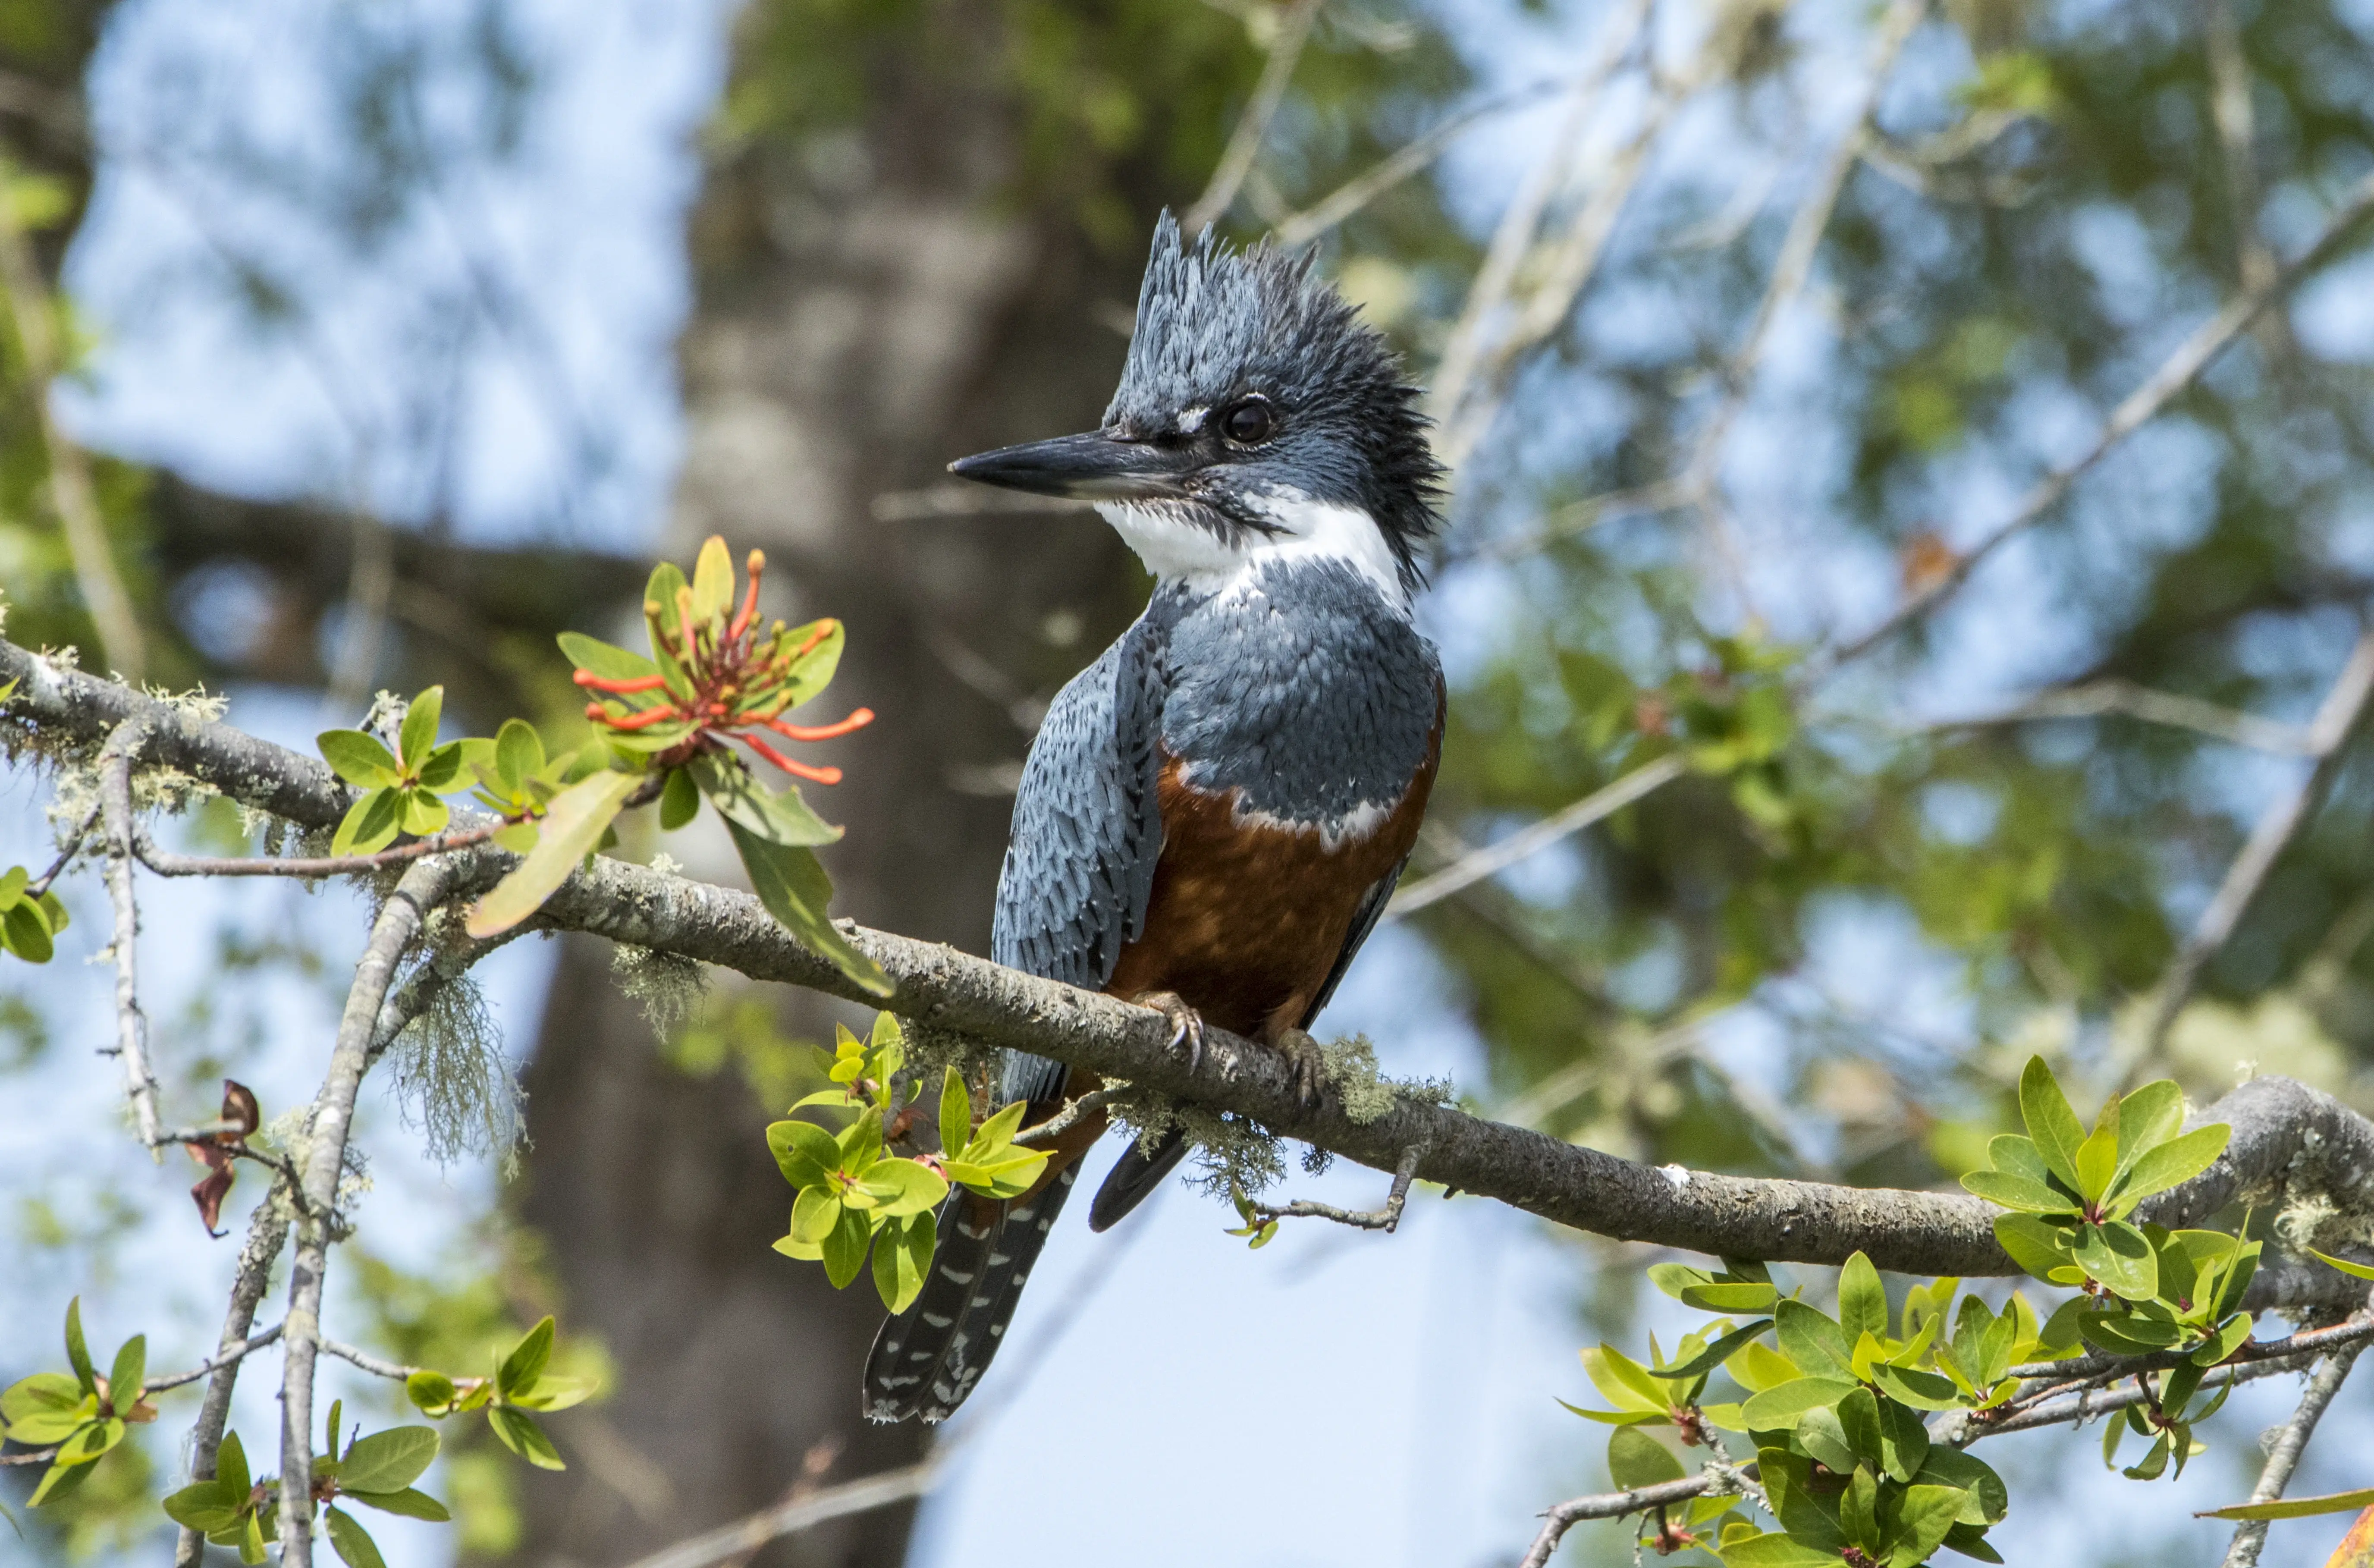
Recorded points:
(1087, 831)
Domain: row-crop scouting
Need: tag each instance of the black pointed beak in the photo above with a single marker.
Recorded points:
(1094, 466)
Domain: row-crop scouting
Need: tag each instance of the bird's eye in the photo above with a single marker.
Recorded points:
(1249, 422)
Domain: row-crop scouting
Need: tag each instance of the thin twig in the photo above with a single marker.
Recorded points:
(375, 1365)
(2336, 720)
(2230, 104)
(75, 499)
(2284, 1456)
(1386, 1219)
(423, 887)
(1349, 197)
(1494, 858)
(246, 1346)
(1557, 1521)
(1512, 239)
(2097, 698)
(73, 846)
(165, 863)
(1244, 143)
(1062, 1121)
(869, 1493)
(131, 1028)
(2176, 373)
(267, 1232)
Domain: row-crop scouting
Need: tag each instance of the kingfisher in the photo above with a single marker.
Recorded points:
(1213, 814)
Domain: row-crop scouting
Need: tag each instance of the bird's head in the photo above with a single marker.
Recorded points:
(1257, 417)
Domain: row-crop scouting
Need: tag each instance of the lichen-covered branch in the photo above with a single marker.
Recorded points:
(268, 1233)
(422, 889)
(2287, 1139)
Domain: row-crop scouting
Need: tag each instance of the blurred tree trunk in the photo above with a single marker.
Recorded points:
(868, 308)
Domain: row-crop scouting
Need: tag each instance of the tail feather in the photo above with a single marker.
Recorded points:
(927, 1359)
(1134, 1178)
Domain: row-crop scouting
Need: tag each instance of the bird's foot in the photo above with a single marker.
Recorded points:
(1186, 1023)
(1308, 1061)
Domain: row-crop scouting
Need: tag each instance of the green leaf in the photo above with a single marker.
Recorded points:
(25, 933)
(814, 670)
(680, 799)
(1972, 1542)
(896, 1277)
(518, 753)
(2147, 1118)
(2008, 1191)
(1903, 1440)
(390, 1460)
(844, 1250)
(1922, 1519)
(370, 824)
(1811, 1339)
(2037, 1247)
(12, 885)
(358, 757)
(1985, 1498)
(1636, 1459)
(354, 1546)
(955, 1112)
(1674, 1277)
(2120, 1258)
(431, 1393)
(2296, 1507)
(2125, 1334)
(815, 1215)
(2018, 1156)
(2354, 1270)
(419, 734)
(607, 660)
(805, 1152)
(1822, 1433)
(440, 773)
(2051, 1123)
(2225, 1342)
(1714, 1355)
(77, 1352)
(48, 1407)
(572, 825)
(1777, 1409)
(1746, 1295)
(1624, 1382)
(124, 1377)
(712, 580)
(2174, 1161)
(1774, 1550)
(552, 1393)
(231, 1467)
(518, 1432)
(1923, 1390)
(421, 812)
(903, 1187)
(2098, 1157)
(201, 1508)
(778, 816)
(407, 1502)
(60, 1479)
(796, 892)
(1862, 1300)
(525, 1363)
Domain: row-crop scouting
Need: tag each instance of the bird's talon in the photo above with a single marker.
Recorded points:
(1186, 1023)
(1310, 1064)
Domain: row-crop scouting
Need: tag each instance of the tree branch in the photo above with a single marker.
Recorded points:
(131, 1027)
(2283, 1456)
(2336, 720)
(1244, 143)
(2285, 1134)
(220, 1359)
(422, 889)
(267, 1232)
(748, 1535)
(1493, 859)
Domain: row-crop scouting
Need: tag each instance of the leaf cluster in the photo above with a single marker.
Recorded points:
(29, 922)
(376, 1472)
(854, 1195)
(2145, 1288)
(402, 789)
(81, 1413)
(521, 1384)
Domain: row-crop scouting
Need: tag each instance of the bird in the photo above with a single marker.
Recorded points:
(1213, 814)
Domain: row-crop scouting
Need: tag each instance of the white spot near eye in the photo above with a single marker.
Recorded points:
(1192, 420)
